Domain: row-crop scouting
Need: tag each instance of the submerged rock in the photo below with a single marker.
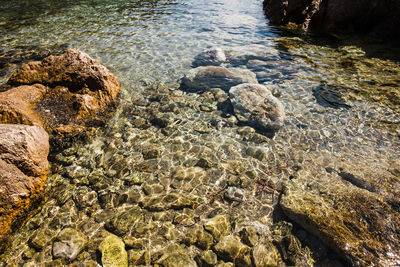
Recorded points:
(212, 56)
(113, 253)
(23, 170)
(61, 93)
(206, 78)
(359, 222)
(229, 248)
(255, 105)
(70, 243)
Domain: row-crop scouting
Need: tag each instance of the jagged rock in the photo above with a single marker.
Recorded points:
(138, 257)
(113, 253)
(365, 16)
(266, 255)
(352, 206)
(23, 170)
(206, 78)
(70, 243)
(175, 255)
(206, 259)
(255, 105)
(125, 220)
(61, 93)
(229, 248)
(240, 55)
(219, 226)
(249, 236)
(212, 56)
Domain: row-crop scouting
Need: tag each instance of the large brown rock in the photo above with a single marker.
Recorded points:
(61, 93)
(380, 17)
(353, 206)
(23, 170)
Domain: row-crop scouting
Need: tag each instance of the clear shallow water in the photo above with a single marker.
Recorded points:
(148, 43)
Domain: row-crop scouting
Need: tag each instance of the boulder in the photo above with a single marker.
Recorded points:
(206, 78)
(352, 206)
(254, 104)
(365, 16)
(62, 93)
(23, 170)
(229, 248)
(213, 56)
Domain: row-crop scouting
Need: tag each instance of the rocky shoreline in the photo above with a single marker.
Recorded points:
(374, 17)
(50, 101)
(198, 174)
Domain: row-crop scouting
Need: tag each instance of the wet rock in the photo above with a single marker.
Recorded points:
(41, 238)
(138, 257)
(213, 56)
(266, 255)
(248, 235)
(229, 248)
(61, 93)
(174, 255)
(219, 226)
(347, 216)
(206, 78)
(367, 16)
(254, 104)
(206, 259)
(85, 197)
(23, 170)
(234, 194)
(240, 55)
(70, 243)
(113, 253)
(124, 221)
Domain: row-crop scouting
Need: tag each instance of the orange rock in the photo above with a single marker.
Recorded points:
(61, 93)
(23, 170)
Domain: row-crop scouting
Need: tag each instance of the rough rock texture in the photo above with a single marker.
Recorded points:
(353, 207)
(113, 253)
(254, 104)
(61, 93)
(206, 78)
(70, 243)
(213, 56)
(368, 16)
(23, 170)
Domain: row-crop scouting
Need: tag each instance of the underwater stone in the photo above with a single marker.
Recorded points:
(219, 226)
(229, 248)
(206, 78)
(234, 194)
(175, 255)
(70, 243)
(266, 255)
(206, 259)
(42, 237)
(249, 236)
(113, 253)
(124, 221)
(138, 257)
(255, 105)
(213, 56)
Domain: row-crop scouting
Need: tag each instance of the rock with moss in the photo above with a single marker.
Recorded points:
(69, 244)
(346, 204)
(113, 253)
(125, 220)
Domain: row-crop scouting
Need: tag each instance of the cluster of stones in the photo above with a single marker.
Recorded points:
(55, 99)
(167, 189)
(181, 179)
